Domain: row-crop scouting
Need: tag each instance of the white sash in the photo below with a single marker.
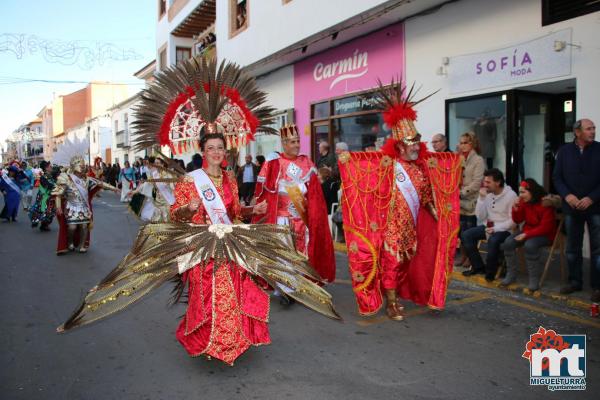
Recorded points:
(408, 190)
(213, 204)
(11, 183)
(82, 191)
(163, 188)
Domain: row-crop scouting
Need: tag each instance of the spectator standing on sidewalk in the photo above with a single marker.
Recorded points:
(474, 168)
(577, 180)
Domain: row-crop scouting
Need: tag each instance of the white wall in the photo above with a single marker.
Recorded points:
(279, 86)
(164, 28)
(472, 26)
(273, 26)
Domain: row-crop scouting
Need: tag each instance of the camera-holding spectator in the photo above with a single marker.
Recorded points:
(577, 180)
(539, 229)
(494, 207)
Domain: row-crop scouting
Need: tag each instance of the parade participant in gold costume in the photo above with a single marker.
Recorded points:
(73, 194)
(400, 211)
(223, 265)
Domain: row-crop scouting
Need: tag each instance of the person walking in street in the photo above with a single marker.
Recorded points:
(126, 181)
(289, 184)
(43, 210)
(73, 193)
(26, 182)
(11, 192)
(577, 180)
(494, 207)
(538, 230)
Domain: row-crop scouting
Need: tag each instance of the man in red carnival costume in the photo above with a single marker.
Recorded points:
(400, 210)
(288, 182)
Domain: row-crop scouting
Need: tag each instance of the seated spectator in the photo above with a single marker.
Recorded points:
(538, 230)
(494, 208)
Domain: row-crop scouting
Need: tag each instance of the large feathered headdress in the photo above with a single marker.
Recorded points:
(71, 151)
(398, 112)
(195, 96)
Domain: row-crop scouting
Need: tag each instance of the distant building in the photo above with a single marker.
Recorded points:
(68, 113)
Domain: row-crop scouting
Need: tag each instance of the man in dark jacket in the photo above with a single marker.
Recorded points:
(577, 180)
(326, 157)
(246, 178)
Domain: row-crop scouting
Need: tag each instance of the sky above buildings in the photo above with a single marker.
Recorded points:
(63, 41)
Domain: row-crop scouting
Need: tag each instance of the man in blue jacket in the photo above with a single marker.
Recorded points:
(577, 180)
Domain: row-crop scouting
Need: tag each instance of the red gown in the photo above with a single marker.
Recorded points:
(227, 310)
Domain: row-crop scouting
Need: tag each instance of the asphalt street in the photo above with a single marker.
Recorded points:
(471, 350)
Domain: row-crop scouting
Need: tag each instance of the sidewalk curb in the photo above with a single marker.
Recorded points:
(480, 281)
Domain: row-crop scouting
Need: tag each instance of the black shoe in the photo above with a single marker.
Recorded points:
(596, 296)
(570, 289)
(34, 224)
(490, 278)
(472, 271)
(45, 228)
(286, 301)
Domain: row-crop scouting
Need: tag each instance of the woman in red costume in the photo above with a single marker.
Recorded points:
(227, 310)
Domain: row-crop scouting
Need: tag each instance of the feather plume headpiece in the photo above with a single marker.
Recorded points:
(197, 96)
(397, 105)
(70, 152)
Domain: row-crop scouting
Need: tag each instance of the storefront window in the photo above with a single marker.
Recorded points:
(354, 120)
(362, 132)
(321, 110)
(533, 113)
(486, 117)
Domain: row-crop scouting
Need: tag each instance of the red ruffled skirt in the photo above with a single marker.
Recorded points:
(227, 312)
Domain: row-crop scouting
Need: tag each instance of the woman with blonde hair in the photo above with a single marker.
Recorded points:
(474, 167)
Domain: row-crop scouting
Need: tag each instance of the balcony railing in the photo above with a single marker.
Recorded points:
(122, 139)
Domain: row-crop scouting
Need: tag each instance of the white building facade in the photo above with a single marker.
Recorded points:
(518, 72)
(121, 118)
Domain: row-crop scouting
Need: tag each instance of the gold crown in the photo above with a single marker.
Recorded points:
(288, 132)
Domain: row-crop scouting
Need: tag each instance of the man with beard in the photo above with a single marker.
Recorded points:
(390, 203)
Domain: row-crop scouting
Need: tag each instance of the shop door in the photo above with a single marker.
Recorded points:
(320, 133)
(531, 142)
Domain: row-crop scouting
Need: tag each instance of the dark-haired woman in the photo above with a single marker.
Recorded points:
(538, 230)
(227, 310)
(43, 210)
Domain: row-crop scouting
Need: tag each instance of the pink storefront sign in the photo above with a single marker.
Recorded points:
(346, 69)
